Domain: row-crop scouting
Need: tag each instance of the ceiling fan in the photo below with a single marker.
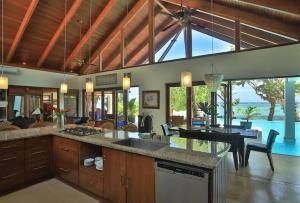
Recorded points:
(182, 16)
(80, 61)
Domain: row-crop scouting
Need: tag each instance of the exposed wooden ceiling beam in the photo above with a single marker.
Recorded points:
(151, 27)
(136, 8)
(254, 19)
(91, 30)
(58, 32)
(291, 6)
(22, 28)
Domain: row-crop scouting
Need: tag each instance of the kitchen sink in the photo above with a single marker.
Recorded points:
(140, 144)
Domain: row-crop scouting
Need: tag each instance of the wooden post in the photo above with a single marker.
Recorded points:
(237, 35)
(189, 106)
(188, 40)
(151, 27)
(125, 107)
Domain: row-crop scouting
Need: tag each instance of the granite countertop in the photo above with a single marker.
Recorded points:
(205, 154)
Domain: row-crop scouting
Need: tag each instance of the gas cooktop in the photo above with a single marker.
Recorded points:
(81, 131)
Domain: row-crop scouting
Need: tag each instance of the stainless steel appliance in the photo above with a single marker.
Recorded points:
(176, 183)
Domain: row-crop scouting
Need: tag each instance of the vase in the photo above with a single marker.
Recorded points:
(60, 122)
(207, 121)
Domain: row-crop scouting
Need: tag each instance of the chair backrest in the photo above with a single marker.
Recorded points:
(130, 128)
(271, 139)
(177, 120)
(165, 128)
(90, 123)
(38, 125)
(105, 124)
(235, 126)
(9, 127)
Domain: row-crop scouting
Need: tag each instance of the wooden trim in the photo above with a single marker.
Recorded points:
(108, 7)
(60, 29)
(22, 28)
(237, 35)
(132, 13)
(151, 27)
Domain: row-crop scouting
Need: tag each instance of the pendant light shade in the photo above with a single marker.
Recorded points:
(126, 82)
(3, 83)
(89, 87)
(213, 81)
(186, 79)
(63, 88)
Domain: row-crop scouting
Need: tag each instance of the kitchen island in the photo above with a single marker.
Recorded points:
(130, 161)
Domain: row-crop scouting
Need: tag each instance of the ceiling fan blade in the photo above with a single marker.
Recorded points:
(199, 26)
(169, 26)
(167, 14)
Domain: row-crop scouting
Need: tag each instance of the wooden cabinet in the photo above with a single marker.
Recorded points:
(11, 164)
(37, 158)
(91, 180)
(128, 177)
(66, 156)
(114, 175)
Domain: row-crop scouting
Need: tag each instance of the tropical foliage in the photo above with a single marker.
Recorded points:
(249, 112)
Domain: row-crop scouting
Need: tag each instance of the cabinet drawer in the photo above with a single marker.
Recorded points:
(91, 180)
(66, 167)
(11, 161)
(40, 154)
(11, 146)
(35, 172)
(66, 145)
(11, 179)
(37, 146)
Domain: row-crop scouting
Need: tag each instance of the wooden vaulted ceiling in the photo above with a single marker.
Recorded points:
(34, 29)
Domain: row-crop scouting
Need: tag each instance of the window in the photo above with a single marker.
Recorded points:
(71, 103)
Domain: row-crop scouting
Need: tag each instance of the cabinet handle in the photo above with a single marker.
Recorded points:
(64, 170)
(103, 157)
(127, 182)
(39, 152)
(65, 149)
(9, 158)
(9, 176)
(122, 180)
(40, 167)
(9, 147)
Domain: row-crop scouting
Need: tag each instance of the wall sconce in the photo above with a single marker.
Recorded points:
(126, 81)
(63, 88)
(186, 79)
(3, 83)
(89, 87)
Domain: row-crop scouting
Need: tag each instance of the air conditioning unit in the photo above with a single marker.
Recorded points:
(8, 70)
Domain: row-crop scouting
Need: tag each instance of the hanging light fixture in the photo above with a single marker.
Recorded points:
(89, 85)
(126, 81)
(64, 85)
(213, 80)
(186, 79)
(3, 80)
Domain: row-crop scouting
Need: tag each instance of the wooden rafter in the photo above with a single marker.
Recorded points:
(22, 28)
(247, 17)
(136, 8)
(291, 6)
(151, 27)
(91, 30)
(58, 32)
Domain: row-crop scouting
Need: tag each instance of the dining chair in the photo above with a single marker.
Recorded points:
(39, 125)
(265, 148)
(165, 128)
(234, 139)
(130, 128)
(105, 124)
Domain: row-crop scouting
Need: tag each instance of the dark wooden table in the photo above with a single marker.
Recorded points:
(248, 133)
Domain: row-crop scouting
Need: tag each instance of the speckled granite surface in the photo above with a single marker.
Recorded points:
(198, 153)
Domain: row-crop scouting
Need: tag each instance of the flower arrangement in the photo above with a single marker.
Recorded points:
(58, 112)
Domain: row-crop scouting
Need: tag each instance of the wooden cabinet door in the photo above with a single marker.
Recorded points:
(114, 175)
(140, 179)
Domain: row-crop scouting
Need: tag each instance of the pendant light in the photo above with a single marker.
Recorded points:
(64, 85)
(186, 79)
(89, 85)
(126, 81)
(3, 80)
(213, 80)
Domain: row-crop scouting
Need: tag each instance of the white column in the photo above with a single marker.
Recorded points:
(289, 91)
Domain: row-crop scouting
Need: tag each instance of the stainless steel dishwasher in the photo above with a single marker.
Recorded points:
(176, 183)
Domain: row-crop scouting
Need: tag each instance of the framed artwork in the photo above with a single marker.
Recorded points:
(151, 99)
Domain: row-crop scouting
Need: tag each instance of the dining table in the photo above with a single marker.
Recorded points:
(243, 133)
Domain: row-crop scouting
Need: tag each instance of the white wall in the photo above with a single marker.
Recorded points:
(271, 62)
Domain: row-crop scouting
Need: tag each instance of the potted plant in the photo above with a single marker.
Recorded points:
(132, 110)
(58, 114)
(248, 113)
